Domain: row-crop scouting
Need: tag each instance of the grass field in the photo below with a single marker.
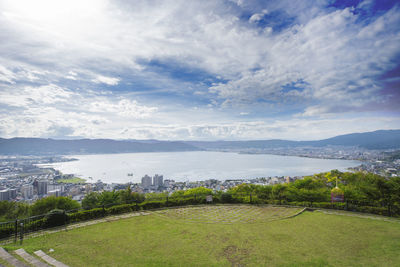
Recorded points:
(75, 180)
(228, 236)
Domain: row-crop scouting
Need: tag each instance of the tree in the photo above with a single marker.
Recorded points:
(278, 192)
(10, 210)
(91, 201)
(128, 197)
(109, 198)
(198, 191)
(47, 204)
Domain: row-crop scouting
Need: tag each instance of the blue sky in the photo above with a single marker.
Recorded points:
(198, 70)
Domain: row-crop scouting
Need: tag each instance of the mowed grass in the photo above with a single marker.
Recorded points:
(309, 239)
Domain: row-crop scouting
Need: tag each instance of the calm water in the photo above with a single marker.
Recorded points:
(194, 166)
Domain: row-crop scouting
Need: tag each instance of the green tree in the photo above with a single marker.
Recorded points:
(126, 196)
(91, 201)
(198, 191)
(279, 192)
(109, 198)
(47, 204)
(10, 210)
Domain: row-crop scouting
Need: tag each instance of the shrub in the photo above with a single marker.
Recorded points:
(121, 209)
(152, 204)
(84, 215)
(227, 198)
(55, 217)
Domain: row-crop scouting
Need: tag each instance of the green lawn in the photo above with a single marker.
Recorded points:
(160, 239)
(75, 180)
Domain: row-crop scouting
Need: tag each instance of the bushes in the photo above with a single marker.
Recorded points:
(156, 204)
(124, 208)
(56, 217)
(227, 198)
(6, 230)
(85, 215)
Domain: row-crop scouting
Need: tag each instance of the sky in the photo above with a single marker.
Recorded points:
(198, 70)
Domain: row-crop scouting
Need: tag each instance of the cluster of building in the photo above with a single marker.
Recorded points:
(156, 184)
(323, 152)
(384, 168)
(32, 191)
(152, 184)
(23, 179)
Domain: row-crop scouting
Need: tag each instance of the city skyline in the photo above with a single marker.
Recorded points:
(176, 70)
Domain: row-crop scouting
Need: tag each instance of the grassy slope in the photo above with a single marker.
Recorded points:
(310, 239)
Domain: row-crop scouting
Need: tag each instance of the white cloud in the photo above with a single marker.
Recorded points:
(106, 80)
(6, 75)
(124, 107)
(31, 95)
(258, 16)
(327, 54)
(337, 58)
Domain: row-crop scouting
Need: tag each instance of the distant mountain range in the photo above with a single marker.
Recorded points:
(383, 139)
(40, 146)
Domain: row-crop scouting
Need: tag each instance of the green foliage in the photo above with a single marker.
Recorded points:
(84, 215)
(47, 204)
(279, 192)
(56, 217)
(90, 201)
(75, 180)
(128, 197)
(227, 198)
(198, 191)
(10, 210)
(106, 198)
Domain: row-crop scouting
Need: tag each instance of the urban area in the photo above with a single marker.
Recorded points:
(22, 178)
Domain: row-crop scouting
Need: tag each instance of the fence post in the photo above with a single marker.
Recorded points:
(251, 199)
(195, 198)
(104, 211)
(65, 220)
(21, 234)
(167, 201)
(15, 230)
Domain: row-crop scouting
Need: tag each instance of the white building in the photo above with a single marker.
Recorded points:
(4, 195)
(42, 187)
(146, 182)
(27, 191)
(56, 193)
(158, 181)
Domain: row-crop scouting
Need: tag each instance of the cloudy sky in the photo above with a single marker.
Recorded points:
(198, 70)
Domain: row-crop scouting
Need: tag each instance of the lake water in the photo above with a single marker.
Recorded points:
(193, 166)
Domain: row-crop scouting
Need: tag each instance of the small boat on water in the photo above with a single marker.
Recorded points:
(130, 174)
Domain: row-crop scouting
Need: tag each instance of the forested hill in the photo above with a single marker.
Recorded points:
(383, 139)
(39, 146)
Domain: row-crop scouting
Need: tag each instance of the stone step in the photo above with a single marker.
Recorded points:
(11, 259)
(29, 258)
(49, 259)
